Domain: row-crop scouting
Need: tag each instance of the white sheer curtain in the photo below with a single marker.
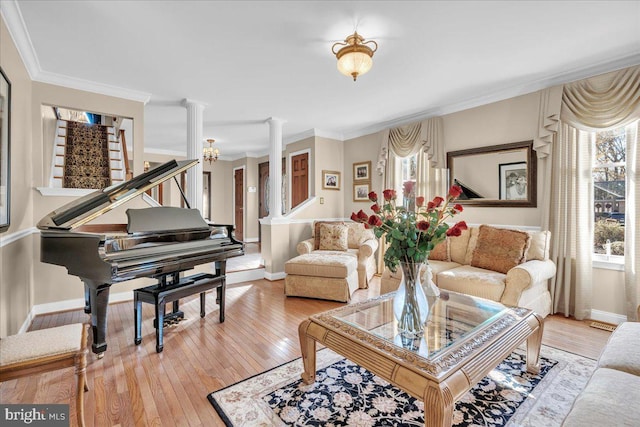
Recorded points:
(606, 101)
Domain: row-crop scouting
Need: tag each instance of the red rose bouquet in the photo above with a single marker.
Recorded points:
(412, 233)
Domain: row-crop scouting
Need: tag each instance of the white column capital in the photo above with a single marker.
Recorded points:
(273, 120)
(186, 102)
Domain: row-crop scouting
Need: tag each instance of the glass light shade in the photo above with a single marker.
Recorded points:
(354, 64)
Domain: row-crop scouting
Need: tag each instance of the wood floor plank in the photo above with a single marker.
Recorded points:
(133, 385)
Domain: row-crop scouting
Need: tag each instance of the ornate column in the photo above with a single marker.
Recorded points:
(275, 166)
(195, 110)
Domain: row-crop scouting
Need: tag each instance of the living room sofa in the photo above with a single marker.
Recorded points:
(501, 264)
(611, 396)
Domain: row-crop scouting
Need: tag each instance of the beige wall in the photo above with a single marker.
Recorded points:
(511, 120)
(358, 150)
(16, 259)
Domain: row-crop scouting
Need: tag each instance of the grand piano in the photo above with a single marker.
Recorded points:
(157, 242)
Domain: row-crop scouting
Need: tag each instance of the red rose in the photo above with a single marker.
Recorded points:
(375, 207)
(423, 225)
(389, 195)
(455, 192)
(430, 206)
(374, 221)
(462, 225)
(457, 207)
(454, 231)
(373, 196)
(419, 201)
(362, 216)
(354, 217)
(407, 187)
(437, 201)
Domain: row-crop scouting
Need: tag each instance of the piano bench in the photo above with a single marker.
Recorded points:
(159, 296)
(47, 350)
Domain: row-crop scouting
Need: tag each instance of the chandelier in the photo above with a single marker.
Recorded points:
(209, 153)
(354, 55)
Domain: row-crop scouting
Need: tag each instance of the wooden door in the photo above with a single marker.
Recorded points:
(263, 179)
(299, 179)
(238, 179)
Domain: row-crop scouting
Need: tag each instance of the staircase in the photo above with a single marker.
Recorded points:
(117, 159)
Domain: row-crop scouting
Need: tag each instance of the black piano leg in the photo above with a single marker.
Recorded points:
(87, 299)
(160, 324)
(202, 303)
(99, 299)
(137, 311)
(221, 290)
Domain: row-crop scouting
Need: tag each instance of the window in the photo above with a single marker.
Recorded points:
(407, 168)
(609, 174)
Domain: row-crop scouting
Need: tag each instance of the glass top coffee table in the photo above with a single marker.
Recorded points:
(465, 338)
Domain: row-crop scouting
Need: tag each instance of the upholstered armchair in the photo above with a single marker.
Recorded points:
(344, 237)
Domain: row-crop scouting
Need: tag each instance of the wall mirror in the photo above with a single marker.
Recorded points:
(5, 164)
(90, 150)
(498, 175)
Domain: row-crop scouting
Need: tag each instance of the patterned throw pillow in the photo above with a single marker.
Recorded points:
(333, 237)
(441, 252)
(316, 231)
(500, 249)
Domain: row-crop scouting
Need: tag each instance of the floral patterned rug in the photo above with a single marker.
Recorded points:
(345, 394)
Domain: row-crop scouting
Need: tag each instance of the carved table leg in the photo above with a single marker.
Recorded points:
(308, 350)
(533, 346)
(438, 407)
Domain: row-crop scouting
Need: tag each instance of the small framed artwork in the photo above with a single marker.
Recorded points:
(361, 191)
(330, 180)
(362, 171)
(513, 181)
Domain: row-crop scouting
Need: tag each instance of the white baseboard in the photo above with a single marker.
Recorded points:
(251, 240)
(245, 276)
(275, 276)
(605, 316)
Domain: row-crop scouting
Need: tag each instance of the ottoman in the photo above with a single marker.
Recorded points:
(323, 276)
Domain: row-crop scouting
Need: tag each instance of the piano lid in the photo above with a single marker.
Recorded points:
(99, 202)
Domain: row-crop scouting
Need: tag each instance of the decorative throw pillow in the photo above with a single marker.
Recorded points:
(333, 237)
(316, 231)
(441, 252)
(500, 249)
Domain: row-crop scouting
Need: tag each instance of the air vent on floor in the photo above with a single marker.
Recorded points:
(604, 326)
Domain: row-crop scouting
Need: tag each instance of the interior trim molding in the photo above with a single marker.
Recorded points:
(274, 276)
(18, 30)
(517, 89)
(605, 316)
(63, 192)
(7, 239)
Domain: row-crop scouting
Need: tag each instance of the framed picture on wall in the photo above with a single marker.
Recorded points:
(362, 171)
(330, 180)
(513, 181)
(361, 191)
(5, 164)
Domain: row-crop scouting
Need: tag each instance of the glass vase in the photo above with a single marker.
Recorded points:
(430, 288)
(410, 305)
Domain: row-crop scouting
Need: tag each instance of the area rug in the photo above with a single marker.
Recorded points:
(345, 394)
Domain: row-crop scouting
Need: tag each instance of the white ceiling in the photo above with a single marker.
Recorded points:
(249, 61)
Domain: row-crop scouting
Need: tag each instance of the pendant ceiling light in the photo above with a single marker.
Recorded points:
(354, 55)
(209, 153)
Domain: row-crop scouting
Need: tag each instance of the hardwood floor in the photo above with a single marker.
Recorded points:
(135, 386)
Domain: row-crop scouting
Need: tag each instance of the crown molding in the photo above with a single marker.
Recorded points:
(500, 95)
(18, 30)
(90, 86)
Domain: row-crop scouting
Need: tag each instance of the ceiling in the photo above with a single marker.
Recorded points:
(249, 61)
